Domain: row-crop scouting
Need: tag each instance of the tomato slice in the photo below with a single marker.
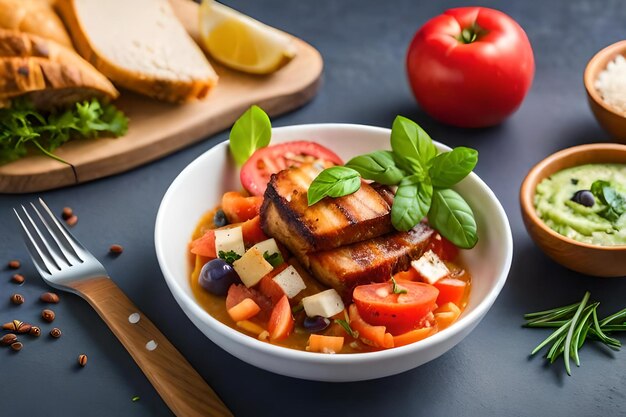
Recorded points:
(400, 313)
(256, 171)
(281, 321)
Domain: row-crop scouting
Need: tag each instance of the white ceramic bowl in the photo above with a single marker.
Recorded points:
(199, 187)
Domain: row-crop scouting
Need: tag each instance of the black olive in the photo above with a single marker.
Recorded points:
(316, 324)
(584, 197)
(220, 220)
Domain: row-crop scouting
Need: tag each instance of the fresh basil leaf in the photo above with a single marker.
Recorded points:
(614, 200)
(409, 140)
(448, 168)
(411, 203)
(453, 218)
(274, 259)
(397, 289)
(229, 257)
(252, 131)
(378, 166)
(333, 182)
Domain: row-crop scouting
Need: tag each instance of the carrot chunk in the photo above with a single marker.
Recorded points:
(245, 310)
(372, 335)
(325, 344)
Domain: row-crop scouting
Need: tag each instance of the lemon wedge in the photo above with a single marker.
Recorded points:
(242, 43)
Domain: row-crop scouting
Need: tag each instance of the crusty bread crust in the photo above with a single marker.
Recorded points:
(161, 89)
(33, 16)
(47, 83)
(30, 64)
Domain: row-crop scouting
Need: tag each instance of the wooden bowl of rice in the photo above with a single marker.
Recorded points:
(605, 82)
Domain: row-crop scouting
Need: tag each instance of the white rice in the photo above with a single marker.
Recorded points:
(611, 84)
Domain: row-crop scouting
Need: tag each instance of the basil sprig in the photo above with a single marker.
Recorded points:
(614, 201)
(252, 131)
(423, 177)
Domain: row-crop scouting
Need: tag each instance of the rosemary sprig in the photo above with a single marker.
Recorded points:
(575, 323)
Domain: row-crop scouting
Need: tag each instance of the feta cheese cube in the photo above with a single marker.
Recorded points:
(268, 246)
(430, 267)
(326, 304)
(290, 281)
(229, 239)
(251, 267)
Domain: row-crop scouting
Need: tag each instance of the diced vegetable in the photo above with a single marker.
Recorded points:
(399, 312)
(430, 267)
(451, 290)
(268, 246)
(250, 327)
(408, 275)
(290, 281)
(271, 289)
(252, 232)
(413, 336)
(325, 344)
(245, 310)
(238, 292)
(204, 245)
(230, 239)
(281, 321)
(239, 208)
(251, 267)
(372, 335)
(446, 315)
(326, 304)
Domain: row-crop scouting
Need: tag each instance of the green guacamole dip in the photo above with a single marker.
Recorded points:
(554, 205)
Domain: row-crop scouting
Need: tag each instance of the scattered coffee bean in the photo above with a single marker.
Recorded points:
(17, 346)
(72, 220)
(14, 264)
(8, 339)
(17, 299)
(18, 278)
(116, 249)
(17, 326)
(82, 359)
(49, 297)
(56, 333)
(67, 213)
(35, 331)
(48, 315)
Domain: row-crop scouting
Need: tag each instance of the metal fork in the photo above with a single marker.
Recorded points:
(65, 264)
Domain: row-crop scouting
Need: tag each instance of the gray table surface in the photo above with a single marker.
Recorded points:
(488, 374)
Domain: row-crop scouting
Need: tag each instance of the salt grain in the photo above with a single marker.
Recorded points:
(611, 84)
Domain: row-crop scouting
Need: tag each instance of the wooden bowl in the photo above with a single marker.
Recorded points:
(609, 118)
(601, 261)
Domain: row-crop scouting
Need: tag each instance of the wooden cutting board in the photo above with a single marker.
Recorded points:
(157, 129)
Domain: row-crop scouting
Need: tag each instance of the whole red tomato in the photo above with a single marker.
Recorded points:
(470, 67)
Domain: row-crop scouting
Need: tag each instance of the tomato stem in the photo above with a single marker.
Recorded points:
(471, 34)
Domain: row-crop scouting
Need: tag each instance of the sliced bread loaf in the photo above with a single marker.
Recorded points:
(50, 74)
(140, 45)
(33, 16)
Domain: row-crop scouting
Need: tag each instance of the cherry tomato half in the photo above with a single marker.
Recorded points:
(256, 171)
(400, 313)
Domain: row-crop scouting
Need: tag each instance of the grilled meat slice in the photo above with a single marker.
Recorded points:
(374, 260)
(330, 223)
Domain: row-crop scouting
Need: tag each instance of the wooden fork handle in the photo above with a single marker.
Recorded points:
(180, 386)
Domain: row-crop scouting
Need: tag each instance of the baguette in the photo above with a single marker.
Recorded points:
(33, 16)
(140, 45)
